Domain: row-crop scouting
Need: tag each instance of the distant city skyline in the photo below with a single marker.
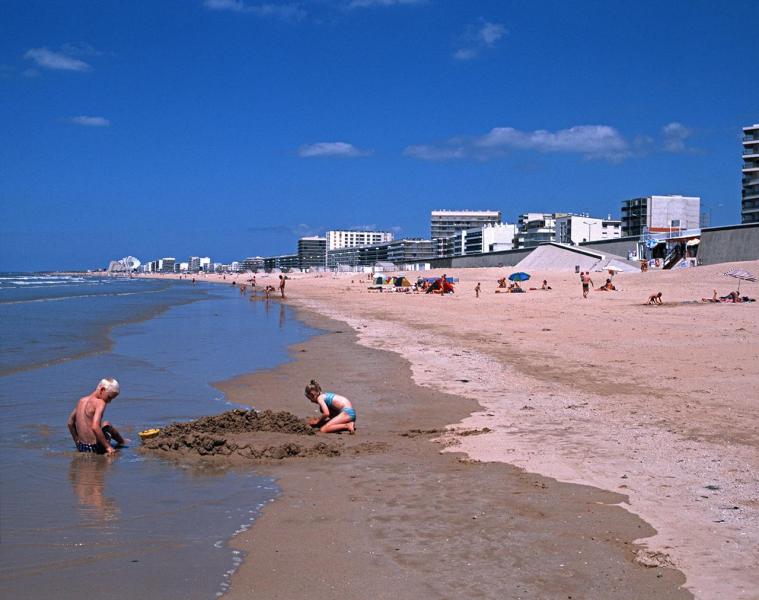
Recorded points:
(234, 127)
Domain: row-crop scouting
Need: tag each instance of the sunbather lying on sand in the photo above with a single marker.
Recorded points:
(712, 299)
(338, 413)
(655, 299)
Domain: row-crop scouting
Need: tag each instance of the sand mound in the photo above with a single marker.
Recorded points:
(241, 421)
(249, 434)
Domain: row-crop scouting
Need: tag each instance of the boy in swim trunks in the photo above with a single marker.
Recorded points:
(89, 431)
(338, 413)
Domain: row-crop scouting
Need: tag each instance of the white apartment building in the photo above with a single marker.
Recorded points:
(660, 214)
(346, 238)
(480, 240)
(535, 228)
(576, 229)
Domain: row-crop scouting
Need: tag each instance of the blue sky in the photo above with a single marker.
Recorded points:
(231, 127)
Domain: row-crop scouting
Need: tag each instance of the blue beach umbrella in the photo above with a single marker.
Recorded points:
(520, 276)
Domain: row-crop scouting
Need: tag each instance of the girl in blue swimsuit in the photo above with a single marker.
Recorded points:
(337, 411)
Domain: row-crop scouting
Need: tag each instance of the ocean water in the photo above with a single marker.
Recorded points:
(74, 525)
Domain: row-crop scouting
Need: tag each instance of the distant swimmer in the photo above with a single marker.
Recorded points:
(89, 431)
(337, 411)
(655, 299)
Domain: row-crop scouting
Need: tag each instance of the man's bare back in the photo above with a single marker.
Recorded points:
(85, 413)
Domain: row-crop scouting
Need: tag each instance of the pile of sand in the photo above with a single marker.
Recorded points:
(242, 421)
(249, 434)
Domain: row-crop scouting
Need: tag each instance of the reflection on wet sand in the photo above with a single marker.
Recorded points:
(87, 474)
(281, 316)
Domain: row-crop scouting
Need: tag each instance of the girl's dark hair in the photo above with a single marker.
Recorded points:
(313, 387)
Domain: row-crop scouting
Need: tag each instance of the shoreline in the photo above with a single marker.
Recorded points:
(573, 432)
(400, 520)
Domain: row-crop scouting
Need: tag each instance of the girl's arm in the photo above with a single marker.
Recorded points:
(316, 422)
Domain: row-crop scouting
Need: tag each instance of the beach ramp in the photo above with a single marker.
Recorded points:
(560, 257)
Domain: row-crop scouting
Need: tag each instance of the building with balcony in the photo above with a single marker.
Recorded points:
(252, 263)
(578, 229)
(444, 223)
(312, 252)
(284, 262)
(536, 228)
(347, 238)
(660, 214)
(399, 252)
(166, 265)
(750, 179)
(480, 240)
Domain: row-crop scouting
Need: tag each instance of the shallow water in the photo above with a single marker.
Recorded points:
(134, 523)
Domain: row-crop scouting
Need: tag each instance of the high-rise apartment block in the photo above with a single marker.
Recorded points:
(312, 252)
(750, 180)
(345, 238)
(444, 223)
(660, 214)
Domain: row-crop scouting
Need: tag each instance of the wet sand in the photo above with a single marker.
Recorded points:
(393, 516)
(656, 403)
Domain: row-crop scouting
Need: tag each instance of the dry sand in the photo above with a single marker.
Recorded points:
(657, 404)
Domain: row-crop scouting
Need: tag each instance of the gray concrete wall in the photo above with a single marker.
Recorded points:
(619, 246)
(729, 244)
(507, 258)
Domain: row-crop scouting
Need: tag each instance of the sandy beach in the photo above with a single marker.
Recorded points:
(615, 452)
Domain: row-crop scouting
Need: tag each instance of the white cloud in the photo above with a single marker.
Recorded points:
(331, 149)
(465, 54)
(592, 141)
(589, 141)
(477, 38)
(431, 152)
(369, 3)
(287, 11)
(87, 121)
(56, 60)
(490, 33)
(673, 137)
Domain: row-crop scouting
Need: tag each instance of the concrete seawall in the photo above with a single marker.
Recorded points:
(727, 244)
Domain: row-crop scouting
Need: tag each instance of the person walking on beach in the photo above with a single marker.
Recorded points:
(88, 430)
(338, 413)
(586, 281)
(282, 286)
(477, 290)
